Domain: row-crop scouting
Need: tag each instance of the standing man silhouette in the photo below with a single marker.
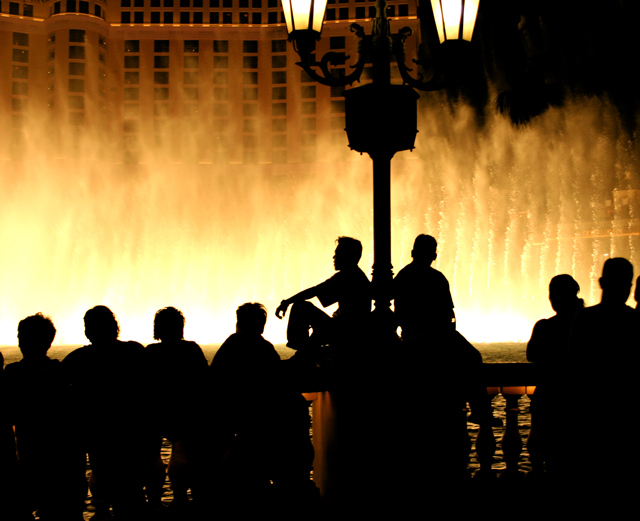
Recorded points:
(349, 287)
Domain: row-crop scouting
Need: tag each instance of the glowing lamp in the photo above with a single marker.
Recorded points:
(304, 15)
(455, 19)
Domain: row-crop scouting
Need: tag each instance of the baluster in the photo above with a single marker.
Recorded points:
(511, 440)
(535, 443)
(486, 446)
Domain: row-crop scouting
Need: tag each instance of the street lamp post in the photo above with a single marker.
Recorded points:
(381, 119)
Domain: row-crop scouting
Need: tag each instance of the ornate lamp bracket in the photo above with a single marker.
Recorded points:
(435, 83)
(305, 47)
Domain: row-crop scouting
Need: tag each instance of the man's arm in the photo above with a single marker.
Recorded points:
(305, 294)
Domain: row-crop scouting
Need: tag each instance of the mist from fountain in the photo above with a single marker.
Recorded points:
(507, 206)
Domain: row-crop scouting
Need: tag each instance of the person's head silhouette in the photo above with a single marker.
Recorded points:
(168, 325)
(100, 325)
(424, 249)
(251, 318)
(347, 254)
(563, 293)
(35, 335)
(616, 280)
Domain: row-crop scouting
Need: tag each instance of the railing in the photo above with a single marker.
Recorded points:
(506, 385)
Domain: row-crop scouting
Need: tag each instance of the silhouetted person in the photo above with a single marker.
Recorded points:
(51, 461)
(422, 299)
(109, 385)
(547, 348)
(267, 418)
(178, 371)
(636, 294)
(601, 373)
(349, 287)
(550, 336)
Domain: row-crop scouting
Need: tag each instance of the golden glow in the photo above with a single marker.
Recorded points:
(301, 15)
(78, 232)
(448, 15)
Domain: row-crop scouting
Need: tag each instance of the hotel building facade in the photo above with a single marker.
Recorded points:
(191, 81)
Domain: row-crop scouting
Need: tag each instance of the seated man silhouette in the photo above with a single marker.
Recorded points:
(178, 371)
(601, 371)
(52, 462)
(422, 299)
(349, 287)
(110, 390)
(266, 418)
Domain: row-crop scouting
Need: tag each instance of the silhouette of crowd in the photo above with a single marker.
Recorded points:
(238, 428)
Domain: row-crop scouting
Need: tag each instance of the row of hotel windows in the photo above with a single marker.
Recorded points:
(14, 8)
(242, 4)
(274, 17)
(81, 6)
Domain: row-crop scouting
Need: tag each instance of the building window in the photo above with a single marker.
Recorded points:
(168, 3)
(132, 46)
(160, 93)
(76, 35)
(220, 78)
(278, 62)
(308, 124)
(155, 17)
(132, 62)
(27, 10)
(250, 110)
(168, 17)
(214, 18)
(214, 3)
(71, 6)
(191, 78)
(102, 41)
(250, 46)
(220, 62)
(161, 46)
(278, 77)
(83, 7)
(272, 17)
(125, 17)
(56, 8)
(76, 102)
(185, 3)
(98, 11)
(219, 93)
(308, 91)
(279, 125)
(76, 68)
(21, 55)
(197, 18)
(191, 46)
(403, 10)
(14, 8)
(125, 3)
(131, 93)
(138, 17)
(220, 46)
(250, 62)
(76, 85)
(256, 18)
(278, 93)
(21, 39)
(131, 78)
(244, 18)
(184, 17)
(191, 94)
(279, 109)
(191, 62)
(19, 88)
(160, 62)
(308, 107)
(279, 46)
(250, 94)
(76, 52)
(227, 3)
(250, 78)
(161, 78)
(138, 3)
(227, 18)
